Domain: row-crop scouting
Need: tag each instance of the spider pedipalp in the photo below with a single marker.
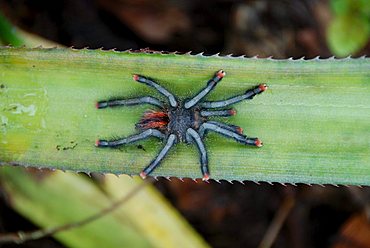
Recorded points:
(186, 121)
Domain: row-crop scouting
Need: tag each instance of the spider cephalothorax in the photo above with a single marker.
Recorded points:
(182, 121)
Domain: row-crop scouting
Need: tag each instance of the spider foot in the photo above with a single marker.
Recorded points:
(205, 177)
(239, 130)
(143, 175)
(101, 143)
(220, 74)
(258, 143)
(252, 142)
(101, 104)
(263, 87)
(135, 77)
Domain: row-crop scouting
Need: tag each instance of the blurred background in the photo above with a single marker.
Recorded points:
(224, 214)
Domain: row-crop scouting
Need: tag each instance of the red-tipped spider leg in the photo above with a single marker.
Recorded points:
(143, 175)
(135, 77)
(211, 84)
(151, 83)
(101, 143)
(232, 112)
(263, 87)
(205, 177)
(253, 142)
(101, 104)
(258, 143)
(220, 74)
(239, 130)
(218, 113)
(248, 95)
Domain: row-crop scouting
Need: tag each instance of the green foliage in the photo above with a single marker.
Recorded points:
(8, 33)
(51, 199)
(349, 31)
(314, 119)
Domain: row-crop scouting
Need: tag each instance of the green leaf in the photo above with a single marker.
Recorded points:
(52, 199)
(347, 34)
(313, 120)
(350, 7)
(340, 7)
(144, 221)
(8, 33)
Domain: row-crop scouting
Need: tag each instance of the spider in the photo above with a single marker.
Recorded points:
(186, 121)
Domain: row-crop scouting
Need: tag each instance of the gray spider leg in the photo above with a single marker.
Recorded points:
(230, 134)
(221, 113)
(192, 134)
(230, 127)
(160, 89)
(248, 95)
(131, 139)
(170, 142)
(130, 102)
(210, 85)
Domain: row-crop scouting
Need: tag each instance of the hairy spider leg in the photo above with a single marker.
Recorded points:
(171, 98)
(230, 134)
(210, 86)
(131, 139)
(193, 135)
(170, 142)
(230, 127)
(221, 113)
(248, 95)
(234, 129)
(130, 102)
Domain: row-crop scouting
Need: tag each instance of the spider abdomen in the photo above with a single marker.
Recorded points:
(153, 119)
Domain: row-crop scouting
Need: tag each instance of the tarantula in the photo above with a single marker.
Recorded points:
(182, 121)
